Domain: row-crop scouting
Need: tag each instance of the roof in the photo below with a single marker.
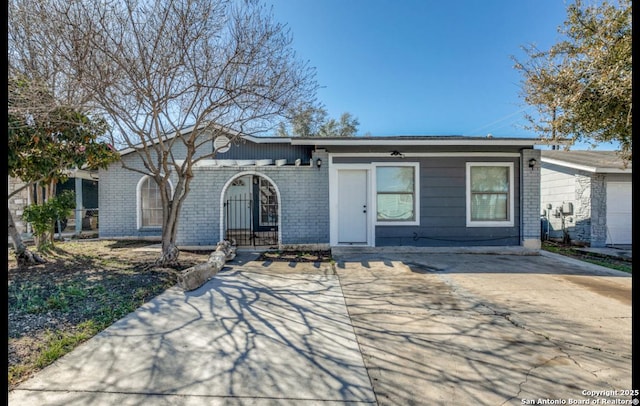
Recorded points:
(399, 140)
(416, 140)
(588, 160)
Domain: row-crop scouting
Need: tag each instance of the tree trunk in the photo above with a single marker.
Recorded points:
(170, 210)
(44, 241)
(169, 255)
(24, 257)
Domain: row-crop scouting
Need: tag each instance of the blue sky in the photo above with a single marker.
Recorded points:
(422, 67)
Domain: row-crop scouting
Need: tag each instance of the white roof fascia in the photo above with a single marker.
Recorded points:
(414, 142)
(187, 130)
(427, 154)
(267, 140)
(83, 174)
(593, 169)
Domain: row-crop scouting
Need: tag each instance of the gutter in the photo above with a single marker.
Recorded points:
(593, 169)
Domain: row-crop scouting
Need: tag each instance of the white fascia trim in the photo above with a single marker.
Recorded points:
(83, 174)
(188, 130)
(593, 169)
(167, 137)
(267, 140)
(398, 142)
(426, 154)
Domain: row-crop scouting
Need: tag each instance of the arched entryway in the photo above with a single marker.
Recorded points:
(250, 210)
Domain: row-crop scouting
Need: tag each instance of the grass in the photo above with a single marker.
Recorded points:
(593, 258)
(82, 289)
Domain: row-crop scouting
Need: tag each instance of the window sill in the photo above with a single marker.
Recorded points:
(489, 223)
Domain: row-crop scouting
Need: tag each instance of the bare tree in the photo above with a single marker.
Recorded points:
(160, 67)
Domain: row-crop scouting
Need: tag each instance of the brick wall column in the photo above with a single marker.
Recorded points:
(530, 209)
(598, 211)
(17, 203)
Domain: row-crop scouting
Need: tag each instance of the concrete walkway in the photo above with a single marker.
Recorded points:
(258, 335)
(390, 329)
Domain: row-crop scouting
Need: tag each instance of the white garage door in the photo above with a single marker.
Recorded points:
(619, 213)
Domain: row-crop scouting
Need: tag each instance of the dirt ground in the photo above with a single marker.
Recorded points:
(80, 282)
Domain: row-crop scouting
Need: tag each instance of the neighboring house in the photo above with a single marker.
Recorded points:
(586, 195)
(18, 202)
(83, 182)
(357, 191)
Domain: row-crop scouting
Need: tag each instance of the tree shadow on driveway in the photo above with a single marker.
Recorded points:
(432, 333)
(242, 337)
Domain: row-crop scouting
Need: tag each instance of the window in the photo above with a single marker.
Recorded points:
(396, 194)
(489, 194)
(149, 203)
(268, 204)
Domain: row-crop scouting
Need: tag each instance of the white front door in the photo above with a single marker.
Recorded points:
(352, 206)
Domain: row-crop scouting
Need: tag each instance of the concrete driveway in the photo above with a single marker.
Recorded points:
(386, 329)
(439, 329)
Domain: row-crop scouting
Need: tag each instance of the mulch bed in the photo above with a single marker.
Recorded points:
(296, 256)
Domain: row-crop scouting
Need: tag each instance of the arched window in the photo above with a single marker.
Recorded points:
(149, 203)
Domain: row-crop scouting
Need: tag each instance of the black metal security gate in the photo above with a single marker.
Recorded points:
(251, 219)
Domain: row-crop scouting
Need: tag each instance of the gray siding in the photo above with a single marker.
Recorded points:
(251, 150)
(443, 206)
(587, 192)
(443, 210)
(558, 186)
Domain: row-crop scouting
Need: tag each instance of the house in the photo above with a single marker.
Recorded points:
(322, 192)
(85, 185)
(586, 197)
(18, 202)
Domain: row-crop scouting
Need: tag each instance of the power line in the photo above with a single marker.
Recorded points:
(499, 120)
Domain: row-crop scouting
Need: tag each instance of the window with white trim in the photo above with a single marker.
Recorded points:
(397, 194)
(149, 203)
(490, 194)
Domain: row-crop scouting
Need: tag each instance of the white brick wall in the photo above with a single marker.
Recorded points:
(304, 203)
(530, 207)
